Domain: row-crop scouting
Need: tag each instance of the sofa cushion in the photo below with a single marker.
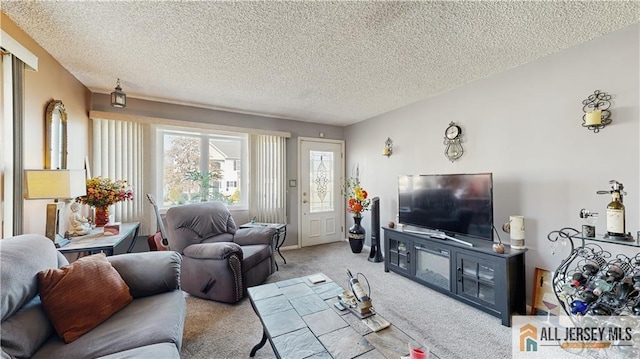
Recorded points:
(145, 321)
(162, 350)
(252, 255)
(82, 295)
(22, 257)
(254, 235)
(148, 273)
(25, 331)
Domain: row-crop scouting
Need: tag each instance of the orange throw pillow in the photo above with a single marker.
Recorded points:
(79, 296)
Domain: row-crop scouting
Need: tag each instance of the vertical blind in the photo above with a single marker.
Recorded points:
(12, 161)
(117, 154)
(267, 198)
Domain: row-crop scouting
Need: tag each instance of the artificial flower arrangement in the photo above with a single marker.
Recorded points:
(103, 192)
(356, 196)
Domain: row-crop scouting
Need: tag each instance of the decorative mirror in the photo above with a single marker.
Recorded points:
(56, 136)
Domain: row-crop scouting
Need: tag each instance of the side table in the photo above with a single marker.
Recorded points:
(280, 236)
(96, 241)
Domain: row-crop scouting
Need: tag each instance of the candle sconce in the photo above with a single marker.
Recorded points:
(388, 148)
(596, 111)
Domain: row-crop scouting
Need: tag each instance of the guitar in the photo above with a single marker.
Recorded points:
(157, 241)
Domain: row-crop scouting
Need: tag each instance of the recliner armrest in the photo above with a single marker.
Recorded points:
(214, 250)
(149, 273)
(254, 235)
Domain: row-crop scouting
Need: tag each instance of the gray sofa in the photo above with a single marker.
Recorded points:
(220, 261)
(151, 326)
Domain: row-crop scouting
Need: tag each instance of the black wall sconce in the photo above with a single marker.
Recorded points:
(388, 148)
(596, 111)
(118, 97)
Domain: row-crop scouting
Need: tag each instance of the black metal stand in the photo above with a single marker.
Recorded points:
(259, 345)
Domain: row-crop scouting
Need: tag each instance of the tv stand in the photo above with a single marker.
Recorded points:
(475, 275)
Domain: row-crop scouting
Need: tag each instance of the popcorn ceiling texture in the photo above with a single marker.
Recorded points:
(326, 62)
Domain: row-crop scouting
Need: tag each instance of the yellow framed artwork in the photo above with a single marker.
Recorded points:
(544, 298)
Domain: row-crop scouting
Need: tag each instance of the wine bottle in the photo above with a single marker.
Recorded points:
(615, 216)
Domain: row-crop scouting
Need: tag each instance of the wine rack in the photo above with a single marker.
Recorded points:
(592, 283)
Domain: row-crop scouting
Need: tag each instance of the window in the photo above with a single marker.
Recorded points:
(321, 196)
(199, 167)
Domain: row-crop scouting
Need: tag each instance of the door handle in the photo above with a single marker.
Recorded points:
(304, 201)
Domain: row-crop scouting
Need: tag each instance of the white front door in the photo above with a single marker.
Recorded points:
(321, 166)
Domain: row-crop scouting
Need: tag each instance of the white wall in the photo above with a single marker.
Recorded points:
(524, 126)
(101, 102)
(50, 82)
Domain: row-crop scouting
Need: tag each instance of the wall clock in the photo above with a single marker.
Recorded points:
(453, 142)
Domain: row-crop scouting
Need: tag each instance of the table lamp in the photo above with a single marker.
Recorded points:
(54, 184)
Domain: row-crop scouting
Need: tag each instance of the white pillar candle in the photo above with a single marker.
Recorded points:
(593, 118)
(517, 227)
(516, 224)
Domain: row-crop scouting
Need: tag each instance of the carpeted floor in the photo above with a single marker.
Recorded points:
(449, 328)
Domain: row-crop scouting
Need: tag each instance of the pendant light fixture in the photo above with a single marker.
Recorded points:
(118, 98)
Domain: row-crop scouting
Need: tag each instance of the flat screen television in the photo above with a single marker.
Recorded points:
(455, 204)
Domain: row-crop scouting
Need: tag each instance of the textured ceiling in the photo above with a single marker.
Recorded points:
(326, 62)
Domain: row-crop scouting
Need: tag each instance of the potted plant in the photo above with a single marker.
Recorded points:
(102, 193)
(357, 203)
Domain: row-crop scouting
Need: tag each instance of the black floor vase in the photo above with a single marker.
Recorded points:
(356, 235)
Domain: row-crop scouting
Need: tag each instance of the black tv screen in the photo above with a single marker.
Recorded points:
(450, 203)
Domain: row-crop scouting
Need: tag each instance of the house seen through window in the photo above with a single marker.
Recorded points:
(201, 167)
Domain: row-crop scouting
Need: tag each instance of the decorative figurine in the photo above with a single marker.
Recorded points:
(78, 224)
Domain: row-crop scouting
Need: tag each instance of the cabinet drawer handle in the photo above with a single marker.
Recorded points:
(408, 257)
(459, 274)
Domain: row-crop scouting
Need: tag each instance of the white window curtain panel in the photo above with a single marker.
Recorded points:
(117, 154)
(267, 197)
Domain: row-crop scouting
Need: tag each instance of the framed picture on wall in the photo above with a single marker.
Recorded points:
(544, 298)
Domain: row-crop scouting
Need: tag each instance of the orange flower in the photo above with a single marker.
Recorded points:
(357, 207)
(357, 201)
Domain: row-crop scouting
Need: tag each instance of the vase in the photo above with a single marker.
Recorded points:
(356, 235)
(102, 216)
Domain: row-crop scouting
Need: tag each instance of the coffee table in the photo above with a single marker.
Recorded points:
(300, 320)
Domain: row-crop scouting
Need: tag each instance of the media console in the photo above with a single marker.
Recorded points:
(473, 274)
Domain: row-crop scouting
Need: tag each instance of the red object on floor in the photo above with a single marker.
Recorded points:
(418, 354)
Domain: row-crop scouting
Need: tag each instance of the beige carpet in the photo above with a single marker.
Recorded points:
(451, 329)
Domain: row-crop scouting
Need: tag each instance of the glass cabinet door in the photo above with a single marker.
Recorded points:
(399, 255)
(476, 279)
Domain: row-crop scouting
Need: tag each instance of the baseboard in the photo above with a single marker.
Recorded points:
(288, 248)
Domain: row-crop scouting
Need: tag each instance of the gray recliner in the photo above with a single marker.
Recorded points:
(219, 261)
